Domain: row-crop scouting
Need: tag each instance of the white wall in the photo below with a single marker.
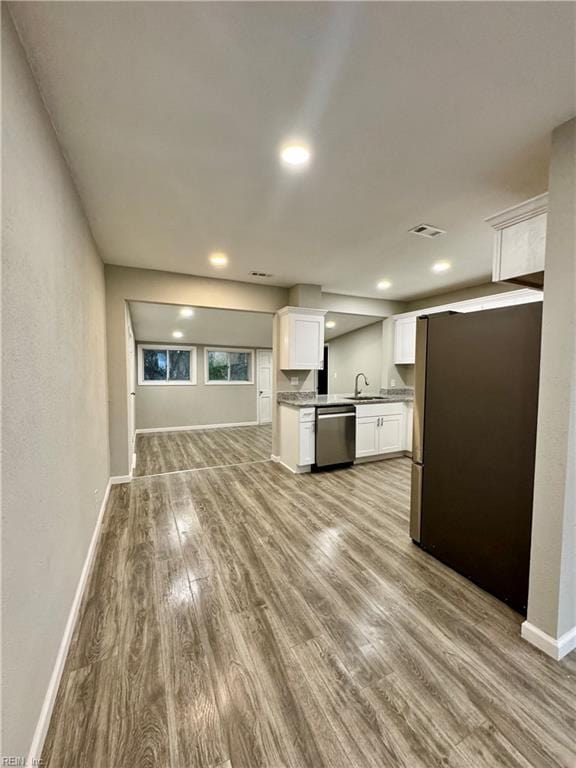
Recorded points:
(356, 352)
(185, 406)
(552, 594)
(54, 423)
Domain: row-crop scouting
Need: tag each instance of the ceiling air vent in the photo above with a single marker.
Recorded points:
(425, 230)
(255, 273)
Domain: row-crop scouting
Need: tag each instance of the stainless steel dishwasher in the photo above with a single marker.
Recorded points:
(335, 435)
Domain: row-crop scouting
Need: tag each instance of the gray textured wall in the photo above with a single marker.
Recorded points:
(352, 353)
(55, 429)
(184, 406)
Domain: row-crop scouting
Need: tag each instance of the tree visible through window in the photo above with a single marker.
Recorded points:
(167, 365)
(155, 364)
(229, 366)
(179, 368)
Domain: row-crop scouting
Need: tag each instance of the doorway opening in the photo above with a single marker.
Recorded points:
(323, 373)
(203, 386)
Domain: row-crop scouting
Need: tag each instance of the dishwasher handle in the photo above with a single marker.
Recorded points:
(336, 415)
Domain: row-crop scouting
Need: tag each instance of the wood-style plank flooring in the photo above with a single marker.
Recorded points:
(159, 452)
(243, 617)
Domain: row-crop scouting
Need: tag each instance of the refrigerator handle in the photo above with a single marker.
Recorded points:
(419, 389)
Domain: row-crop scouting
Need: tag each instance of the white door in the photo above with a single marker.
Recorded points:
(131, 381)
(367, 436)
(264, 385)
(391, 433)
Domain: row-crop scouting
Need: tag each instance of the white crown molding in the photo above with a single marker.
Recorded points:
(526, 210)
(301, 311)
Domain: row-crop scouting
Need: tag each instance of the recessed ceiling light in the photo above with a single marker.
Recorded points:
(177, 334)
(218, 259)
(441, 266)
(330, 324)
(295, 154)
(186, 312)
(384, 285)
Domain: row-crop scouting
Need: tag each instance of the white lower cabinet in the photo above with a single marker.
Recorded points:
(307, 443)
(391, 433)
(367, 436)
(380, 429)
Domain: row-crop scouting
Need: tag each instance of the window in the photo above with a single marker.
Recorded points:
(229, 366)
(165, 364)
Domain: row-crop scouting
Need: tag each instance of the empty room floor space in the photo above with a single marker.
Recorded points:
(160, 452)
(246, 617)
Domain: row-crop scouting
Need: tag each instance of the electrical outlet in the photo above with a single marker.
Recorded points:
(294, 381)
(392, 383)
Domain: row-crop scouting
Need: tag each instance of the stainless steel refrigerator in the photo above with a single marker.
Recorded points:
(475, 412)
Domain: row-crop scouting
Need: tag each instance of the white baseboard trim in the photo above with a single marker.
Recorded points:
(557, 648)
(50, 697)
(118, 479)
(297, 471)
(198, 426)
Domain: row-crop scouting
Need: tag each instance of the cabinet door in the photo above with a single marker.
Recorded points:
(367, 436)
(405, 340)
(307, 342)
(390, 434)
(522, 247)
(307, 443)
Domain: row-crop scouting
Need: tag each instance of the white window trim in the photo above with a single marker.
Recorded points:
(228, 383)
(167, 383)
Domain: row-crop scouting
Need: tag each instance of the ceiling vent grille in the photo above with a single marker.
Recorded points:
(425, 230)
(255, 273)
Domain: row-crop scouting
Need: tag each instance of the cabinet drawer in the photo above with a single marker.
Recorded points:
(307, 414)
(379, 409)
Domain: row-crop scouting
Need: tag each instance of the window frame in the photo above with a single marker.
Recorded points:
(142, 382)
(228, 382)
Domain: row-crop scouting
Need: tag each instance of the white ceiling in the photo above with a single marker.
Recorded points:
(221, 327)
(171, 115)
(346, 323)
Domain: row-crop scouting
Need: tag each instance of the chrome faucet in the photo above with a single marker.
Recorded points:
(356, 386)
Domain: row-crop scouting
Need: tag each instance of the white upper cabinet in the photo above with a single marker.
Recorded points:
(404, 340)
(520, 242)
(301, 338)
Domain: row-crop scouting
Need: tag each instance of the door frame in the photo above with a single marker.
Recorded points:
(257, 379)
(130, 388)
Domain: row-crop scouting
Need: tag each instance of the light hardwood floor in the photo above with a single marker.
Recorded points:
(246, 617)
(158, 452)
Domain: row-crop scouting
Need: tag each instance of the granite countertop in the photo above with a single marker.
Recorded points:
(311, 399)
